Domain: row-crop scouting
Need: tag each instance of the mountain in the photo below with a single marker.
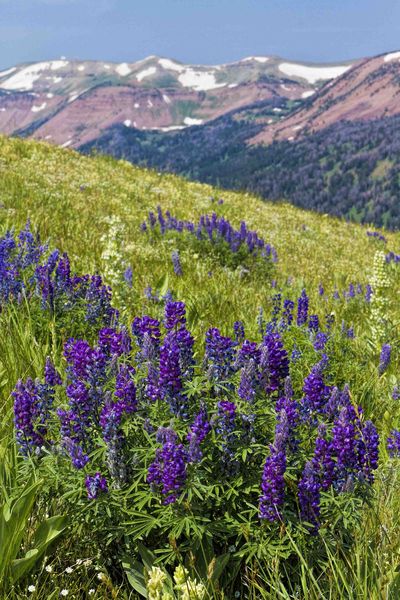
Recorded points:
(73, 102)
(338, 152)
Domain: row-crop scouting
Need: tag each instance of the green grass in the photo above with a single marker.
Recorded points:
(92, 208)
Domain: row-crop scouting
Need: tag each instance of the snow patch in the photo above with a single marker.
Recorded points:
(66, 144)
(146, 73)
(189, 121)
(233, 85)
(108, 67)
(127, 123)
(260, 59)
(387, 58)
(136, 105)
(81, 68)
(312, 74)
(297, 127)
(123, 69)
(2, 109)
(308, 94)
(48, 137)
(39, 108)
(290, 139)
(49, 95)
(166, 63)
(201, 81)
(25, 78)
(8, 71)
(277, 110)
(149, 103)
(166, 99)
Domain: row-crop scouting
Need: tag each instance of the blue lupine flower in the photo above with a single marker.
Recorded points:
(384, 359)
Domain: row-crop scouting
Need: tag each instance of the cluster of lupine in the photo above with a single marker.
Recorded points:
(28, 269)
(126, 384)
(377, 236)
(213, 229)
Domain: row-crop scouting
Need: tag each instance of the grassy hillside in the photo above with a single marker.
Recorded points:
(336, 170)
(93, 209)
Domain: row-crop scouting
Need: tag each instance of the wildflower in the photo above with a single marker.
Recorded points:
(309, 495)
(273, 485)
(384, 359)
(315, 391)
(95, 484)
(48, 568)
(31, 589)
(238, 329)
(393, 444)
(168, 470)
(248, 380)
(174, 315)
(176, 263)
(197, 433)
(91, 591)
(396, 393)
(155, 583)
(69, 570)
(220, 353)
(64, 593)
(274, 363)
(302, 309)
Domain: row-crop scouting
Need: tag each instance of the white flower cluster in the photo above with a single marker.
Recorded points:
(380, 282)
(112, 256)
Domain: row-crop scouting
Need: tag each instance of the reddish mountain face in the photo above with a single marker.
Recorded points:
(72, 102)
(369, 90)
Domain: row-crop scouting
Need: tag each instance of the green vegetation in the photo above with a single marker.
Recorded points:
(57, 543)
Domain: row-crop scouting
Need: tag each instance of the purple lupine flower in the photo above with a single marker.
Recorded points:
(197, 433)
(170, 376)
(313, 323)
(320, 341)
(274, 363)
(128, 277)
(248, 351)
(393, 444)
(185, 341)
(295, 355)
(174, 315)
(344, 445)
(32, 407)
(273, 485)
(95, 485)
(219, 354)
(302, 308)
(316, 393)
(322, 460)
(113, 342)
(248, 381)
(51, 376)
(336, 295)
(225, 427)
(143, 325)
(78, 457)
(309, 492)
(125, 389)
(384, 359)
(287, 314)
(368, 450)
(396, 393)
(168, 470)
(176, 262)
(351, 291)
(368, 293)
(321, 290)
(238, 330)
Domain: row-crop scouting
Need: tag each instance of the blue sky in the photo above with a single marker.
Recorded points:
(196, 31)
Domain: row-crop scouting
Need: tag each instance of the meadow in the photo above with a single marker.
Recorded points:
(199, 390)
